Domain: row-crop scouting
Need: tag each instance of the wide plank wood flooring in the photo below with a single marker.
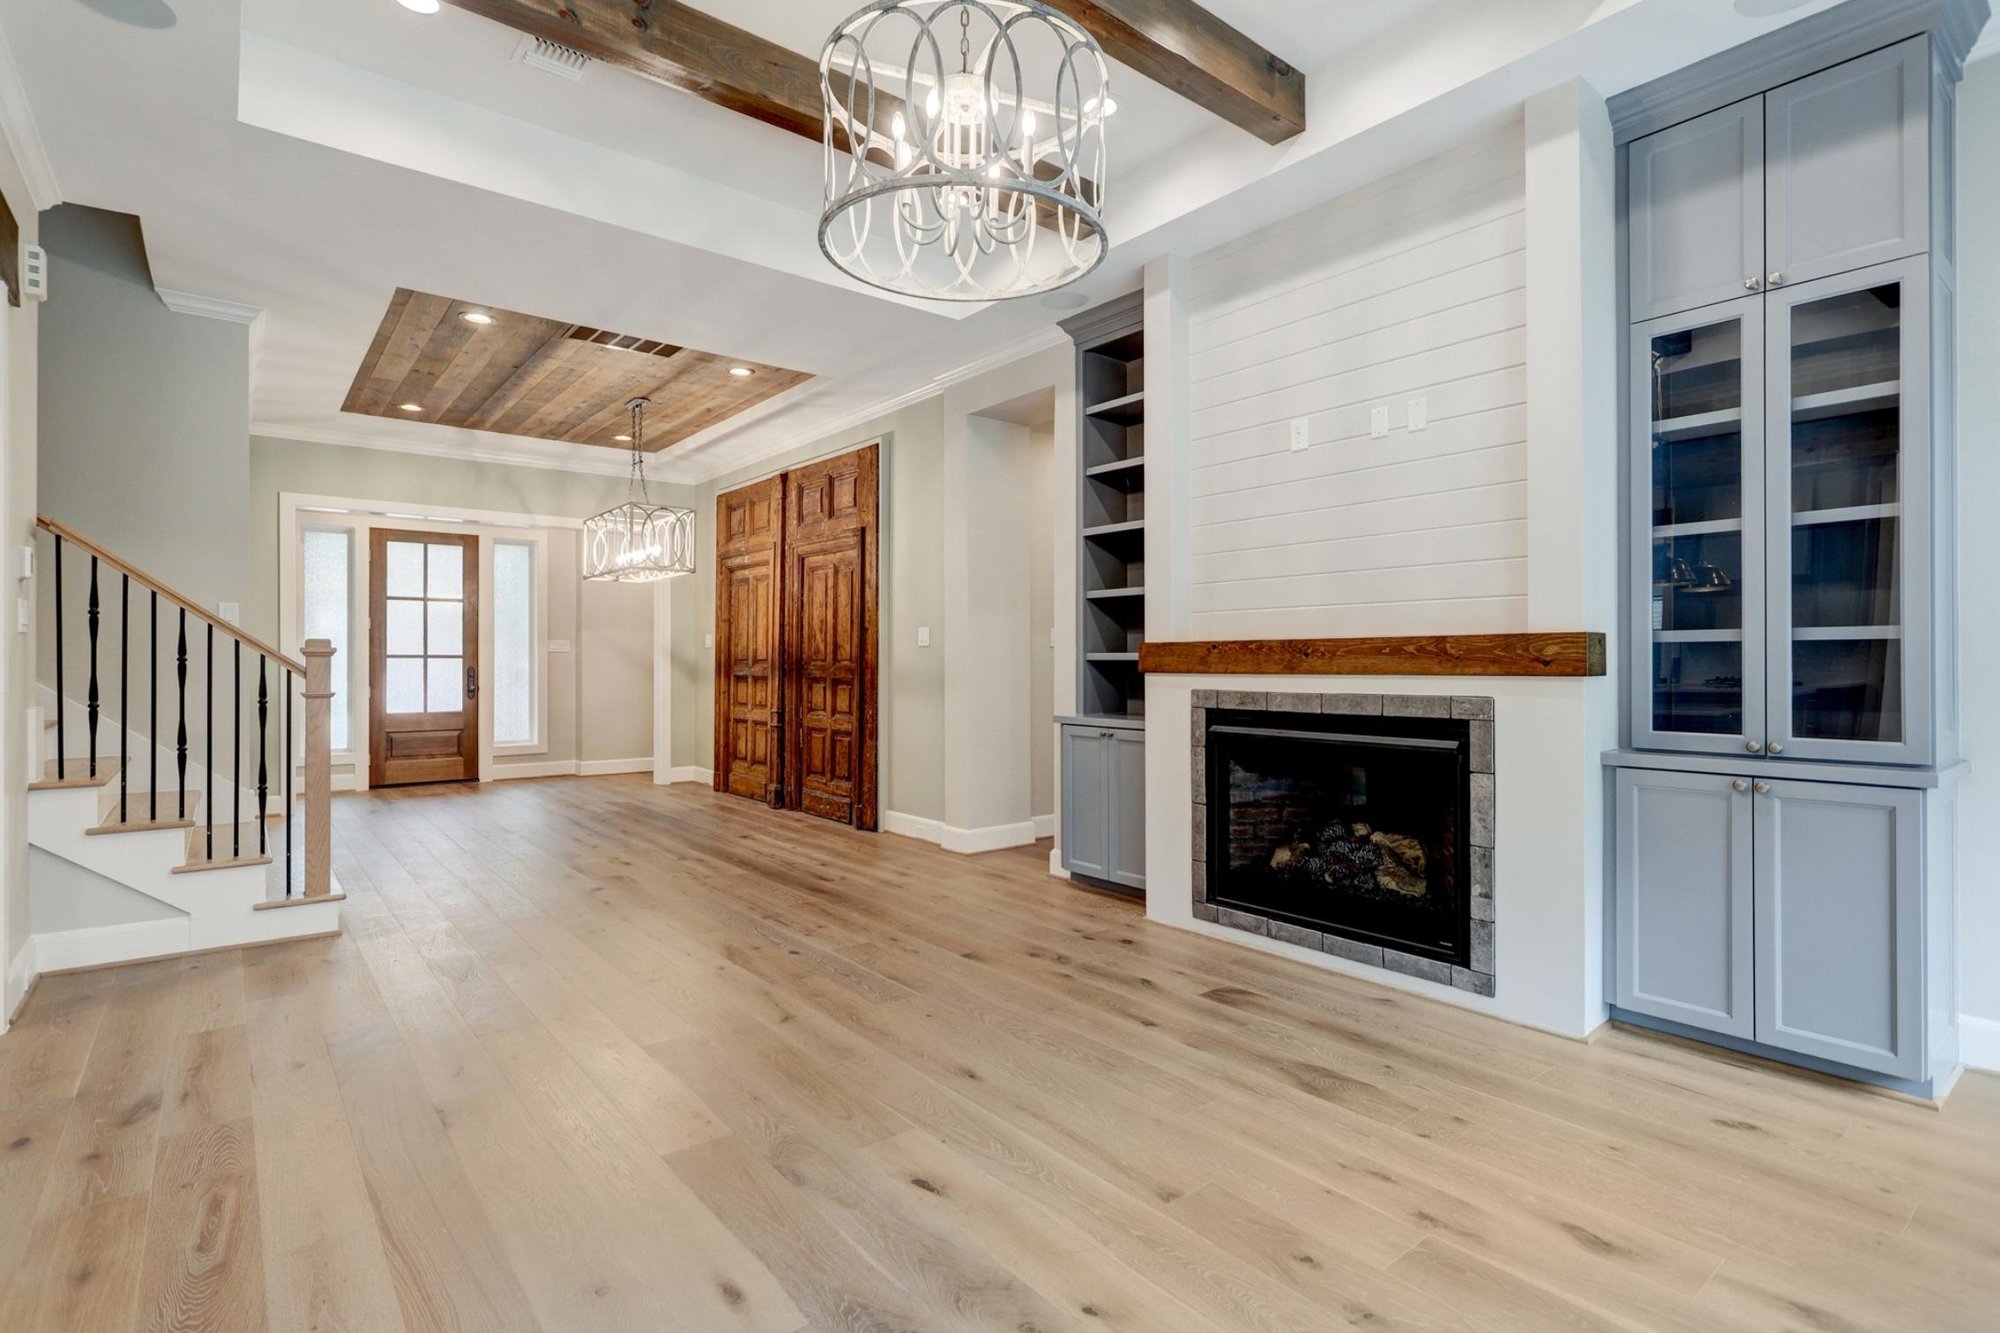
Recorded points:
(593, 1054)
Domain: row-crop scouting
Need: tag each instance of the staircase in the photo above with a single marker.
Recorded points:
(171, 765)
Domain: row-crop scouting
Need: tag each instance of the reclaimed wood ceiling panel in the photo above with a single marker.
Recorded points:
(543, 378)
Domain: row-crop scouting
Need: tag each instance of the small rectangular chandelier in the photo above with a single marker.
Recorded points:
(638, 541)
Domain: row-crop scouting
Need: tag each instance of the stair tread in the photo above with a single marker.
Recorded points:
(197, 848)
(78, 775)
(138, 820)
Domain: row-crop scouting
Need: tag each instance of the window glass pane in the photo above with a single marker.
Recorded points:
(447, 684)
(447, 570)
(512, 692)
(406, 685)
(406, 569)
(447, 620)
(325, 610)
(405, 629)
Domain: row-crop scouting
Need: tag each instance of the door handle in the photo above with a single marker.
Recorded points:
(472, 682)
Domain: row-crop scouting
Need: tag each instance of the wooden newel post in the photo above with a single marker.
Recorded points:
(319, 767)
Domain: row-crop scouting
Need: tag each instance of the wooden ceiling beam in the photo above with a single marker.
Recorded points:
(1179, 45)
(1176, 43)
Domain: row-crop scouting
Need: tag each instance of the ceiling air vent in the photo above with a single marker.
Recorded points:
(552, 58)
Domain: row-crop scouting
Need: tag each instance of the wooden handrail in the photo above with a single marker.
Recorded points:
(193, 608)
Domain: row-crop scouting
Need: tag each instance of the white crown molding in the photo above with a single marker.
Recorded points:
(523, 455)
(17, 123)
(1012, 352)
(209, 307)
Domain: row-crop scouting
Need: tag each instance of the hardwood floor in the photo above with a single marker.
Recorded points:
(595, 1054)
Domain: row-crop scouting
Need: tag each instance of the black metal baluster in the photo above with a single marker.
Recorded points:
(263, 747)
(62, 709)
(153, 725)
(90, 697)
(181, 731)
(124, 691)
(288, 784)
(208, 753)
(236, 748)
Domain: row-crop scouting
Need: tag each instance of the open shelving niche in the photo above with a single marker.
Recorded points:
(1111, 512)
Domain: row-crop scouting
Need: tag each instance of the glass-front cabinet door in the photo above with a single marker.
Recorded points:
(1698, 404)
(1847, 483)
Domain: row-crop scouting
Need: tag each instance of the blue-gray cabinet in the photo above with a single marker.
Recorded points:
(1839, 923)
(1683, 910)
(1782, 855)
(1821, 175)
(1104, 803)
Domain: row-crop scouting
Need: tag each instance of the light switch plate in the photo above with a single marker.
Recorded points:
(1420, 413)
(1378, 423)
(232, 612)
(558, 645)
(28, 561)
(923, 636)
(708, 641)
(1301, 434)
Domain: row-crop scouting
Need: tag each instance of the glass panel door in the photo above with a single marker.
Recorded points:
(1844, 646)
(1698, 520)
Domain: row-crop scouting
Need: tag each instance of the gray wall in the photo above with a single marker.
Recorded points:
(145, 414)
(1979, 555)
(601, 694)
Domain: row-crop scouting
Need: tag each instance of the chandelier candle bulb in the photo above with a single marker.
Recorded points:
(936, 185)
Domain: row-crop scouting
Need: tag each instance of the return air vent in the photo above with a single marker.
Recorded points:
(552, 58)
(624, 342)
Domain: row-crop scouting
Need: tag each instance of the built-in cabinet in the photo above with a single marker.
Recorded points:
(1785, 912)
(1103, 745)
(1785, 883)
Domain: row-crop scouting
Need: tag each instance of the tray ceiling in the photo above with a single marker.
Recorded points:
(520, 374)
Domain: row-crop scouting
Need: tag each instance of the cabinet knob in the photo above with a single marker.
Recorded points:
(1754, 747)
(1763, 789)
(1752, 283)
(1777, 747)
(1777, 279)
(1739, 785)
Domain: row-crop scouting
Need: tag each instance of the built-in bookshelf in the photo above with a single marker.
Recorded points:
(1111, 506)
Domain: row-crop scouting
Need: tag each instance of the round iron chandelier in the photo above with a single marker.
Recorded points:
(946, 176)
(638, 541)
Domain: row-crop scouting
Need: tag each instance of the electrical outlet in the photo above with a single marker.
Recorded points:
(1378, 423)
(708, 641)
(923, 636)
(1420, 414)
(558, 645)
(1301, 434)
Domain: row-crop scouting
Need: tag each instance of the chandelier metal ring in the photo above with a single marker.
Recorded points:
(957, 184)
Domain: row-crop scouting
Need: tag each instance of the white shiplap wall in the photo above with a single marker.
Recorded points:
(1413, 286)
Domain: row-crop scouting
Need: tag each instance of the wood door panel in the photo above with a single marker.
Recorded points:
(430, 744)
(796, 639)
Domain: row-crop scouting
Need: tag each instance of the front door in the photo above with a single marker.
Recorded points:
(423, 643)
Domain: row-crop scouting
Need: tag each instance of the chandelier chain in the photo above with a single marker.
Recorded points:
(964, 41)
(635, 485)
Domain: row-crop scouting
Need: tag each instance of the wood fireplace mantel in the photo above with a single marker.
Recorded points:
(1551, 654)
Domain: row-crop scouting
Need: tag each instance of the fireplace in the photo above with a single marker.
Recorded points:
(1356, 825)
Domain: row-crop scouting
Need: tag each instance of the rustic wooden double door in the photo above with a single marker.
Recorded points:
(796, 639)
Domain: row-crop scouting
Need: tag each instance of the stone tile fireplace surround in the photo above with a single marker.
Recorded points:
(1477, 974)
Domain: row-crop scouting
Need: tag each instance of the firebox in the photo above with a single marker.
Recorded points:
(1357, 826)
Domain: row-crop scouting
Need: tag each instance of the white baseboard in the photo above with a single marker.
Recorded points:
(1045, 826)
(21, 974)
(964, 841)
(599, 768)
(1979, 1042)
(552, 768)
(99, 946)
(1055, 863)
(911, 826)
(692, 773)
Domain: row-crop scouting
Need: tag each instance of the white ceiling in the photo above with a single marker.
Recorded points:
(310, 156)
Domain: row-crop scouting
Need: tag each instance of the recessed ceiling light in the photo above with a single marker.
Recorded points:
(413, 407)
(476, 317)
(419, 6)
(741, 372)
(622, 439)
